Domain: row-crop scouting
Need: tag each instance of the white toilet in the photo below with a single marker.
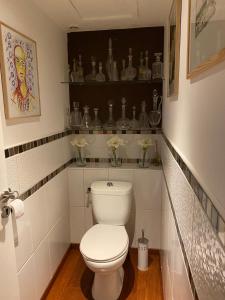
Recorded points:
(104, 247)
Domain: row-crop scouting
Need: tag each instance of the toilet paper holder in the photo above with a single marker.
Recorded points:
(4, 198)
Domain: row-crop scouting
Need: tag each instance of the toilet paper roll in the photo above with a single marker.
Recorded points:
(17, 207)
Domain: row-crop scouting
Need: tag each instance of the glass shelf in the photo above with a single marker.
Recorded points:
(120, 82)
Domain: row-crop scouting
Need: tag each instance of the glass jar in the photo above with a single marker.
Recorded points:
(115, 160)
(144, 160)
(80, 157)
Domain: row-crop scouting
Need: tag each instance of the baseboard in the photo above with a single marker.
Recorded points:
(71, 246)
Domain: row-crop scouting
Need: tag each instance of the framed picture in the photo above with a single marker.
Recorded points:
(19, 74)
(206, 35)
(174, 48)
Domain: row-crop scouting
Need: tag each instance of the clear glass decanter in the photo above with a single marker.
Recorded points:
(76, 116)
(109, 61)
(134, 124)
(123, 71)
(123, 123)
(155, 114)
(131, 72)
(157, 67)
(115, 75)
(86, 120)
(92, 75)
(80, 71)
(110, 124)
(141, 70)
(100, 76)
(143, 117)
(148, 72)
(96, 124)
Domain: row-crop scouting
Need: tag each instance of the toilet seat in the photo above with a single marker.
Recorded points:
(104, 243)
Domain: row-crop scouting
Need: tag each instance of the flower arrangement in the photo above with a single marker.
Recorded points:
(145, 144)
(114, 143)
(79, 143)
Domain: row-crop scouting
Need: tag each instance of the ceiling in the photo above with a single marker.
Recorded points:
(105, 14)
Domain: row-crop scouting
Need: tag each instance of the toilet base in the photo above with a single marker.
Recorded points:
(108, 285)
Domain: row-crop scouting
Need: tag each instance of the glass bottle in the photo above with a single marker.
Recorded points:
(86, 121)
(148, 72)
(141, 71)
(131, 72)
(100, 76)
(115, 76)
(157, 67)
(92, 75)
(80, 71)
(76, 116)
(155, 114)
(110, 124)
(123, 123)
(143, 117)
(134, 124)
(123, 71)
(96, 124)
(109, 61)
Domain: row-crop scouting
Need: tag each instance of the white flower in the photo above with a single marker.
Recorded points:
(145, 143)
(115, 142)
(79, 142)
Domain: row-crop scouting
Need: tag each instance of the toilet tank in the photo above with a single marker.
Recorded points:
(111, 201)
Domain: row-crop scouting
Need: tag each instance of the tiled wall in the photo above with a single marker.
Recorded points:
(203, 250)
(146, 208)
(41, 236)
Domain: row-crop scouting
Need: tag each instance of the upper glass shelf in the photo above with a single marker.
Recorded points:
(120, 82)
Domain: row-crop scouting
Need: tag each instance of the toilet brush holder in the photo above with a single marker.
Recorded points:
(143, 253)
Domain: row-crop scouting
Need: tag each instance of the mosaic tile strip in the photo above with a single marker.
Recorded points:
(124, 161)
(42, 182)
(216, 220)
(36, 143)
(182, 245)
(150, 131)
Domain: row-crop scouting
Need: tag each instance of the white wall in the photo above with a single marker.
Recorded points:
(52, 63)
(194, 123)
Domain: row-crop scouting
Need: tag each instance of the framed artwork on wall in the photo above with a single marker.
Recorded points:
(206, 35)
(174, 48)
(19, 71)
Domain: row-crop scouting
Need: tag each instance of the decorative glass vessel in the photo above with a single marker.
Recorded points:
(92, 75)
(80, 157)
(147, 71)
(109, 61)
(76, 116)
(79, 73)
(115, 75)
(157, 67)
(134, 124)
(141, 70)
(144, 160)
(100, 76)
(115, 160)
(96, 124)
(143, 117)
(86, 121)
(154, 118)
(131, 72)
(110, 124)
(123, 123)
(123, 71)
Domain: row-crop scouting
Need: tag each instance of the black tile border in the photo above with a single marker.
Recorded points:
(117, 131)
(43, 181)
(194, 292)
(36, 143)
(213, 215)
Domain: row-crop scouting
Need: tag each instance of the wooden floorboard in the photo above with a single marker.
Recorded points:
(74, 279)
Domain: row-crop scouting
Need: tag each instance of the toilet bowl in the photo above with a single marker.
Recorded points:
(104, 246)
(104, 249)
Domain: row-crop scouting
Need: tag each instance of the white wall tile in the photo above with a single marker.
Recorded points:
(58, 239)
(27, 278)
(37, 214)
(147, 189)
(12, 173)
(77, 224)
(42, 267)
(121, 174)
(76, 187)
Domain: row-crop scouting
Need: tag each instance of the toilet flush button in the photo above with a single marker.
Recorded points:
(109, 184)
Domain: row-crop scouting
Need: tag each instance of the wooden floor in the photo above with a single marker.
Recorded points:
(74, 280)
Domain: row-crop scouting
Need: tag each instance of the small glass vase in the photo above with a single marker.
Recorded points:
(144, 160)
(80, 157)
(115, 160)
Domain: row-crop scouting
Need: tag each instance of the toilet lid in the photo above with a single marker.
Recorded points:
(104, 242)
